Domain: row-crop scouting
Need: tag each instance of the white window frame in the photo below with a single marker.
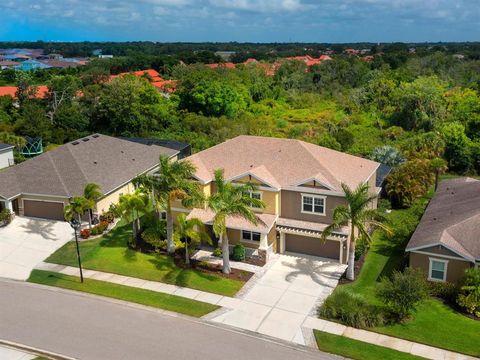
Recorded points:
(323, 198)
(430, 263)
(250, 193)
(251, 237)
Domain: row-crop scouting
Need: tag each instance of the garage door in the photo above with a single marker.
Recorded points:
(43, 209)
(312, 246)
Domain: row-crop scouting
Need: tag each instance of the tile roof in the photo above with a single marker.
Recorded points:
(42, 91)
(107, 161)
(282, 162)
(452, 219)
(265, 221)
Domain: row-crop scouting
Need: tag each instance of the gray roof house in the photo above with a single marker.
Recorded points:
(447, 239)
(43, 185)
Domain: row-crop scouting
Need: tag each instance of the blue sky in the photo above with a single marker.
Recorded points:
(241, 20)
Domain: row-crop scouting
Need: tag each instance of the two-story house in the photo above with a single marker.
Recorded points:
(300, 184)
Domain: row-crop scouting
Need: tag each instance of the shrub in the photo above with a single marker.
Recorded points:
(443, 290)
(155, 235)
(6, 216)
(100, 228)
(469, 297)
(403, 291)
(238, 252)
(217, 252)
(107, 217)
(85, 233)
(361, 247)
(351, 309)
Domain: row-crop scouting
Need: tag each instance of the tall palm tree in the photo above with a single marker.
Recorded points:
(231, 200)
(91, 193)
(439, 166)
(130, 207)
(173, 183)
(76, 208)
(358, 215)
(187, 229)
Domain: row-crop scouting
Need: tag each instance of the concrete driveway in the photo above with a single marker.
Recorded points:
(26, 242)
(279, 302)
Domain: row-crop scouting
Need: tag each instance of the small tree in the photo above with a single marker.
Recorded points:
(231, 200)
(358, 215)
(129, 208)
(77, 207)
(91, 193)
(469, 297)
(403, 291)
(188, 230)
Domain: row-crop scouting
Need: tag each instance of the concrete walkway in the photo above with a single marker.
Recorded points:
(428, 352)
(8, 353)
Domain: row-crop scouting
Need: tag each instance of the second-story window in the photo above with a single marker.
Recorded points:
(313, 204)
(255, 195)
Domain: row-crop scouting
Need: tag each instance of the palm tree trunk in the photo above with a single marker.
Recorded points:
(351, 257)
(80, 220)
(89, 219)
(187, 256)
(225, 253)
(170, 244)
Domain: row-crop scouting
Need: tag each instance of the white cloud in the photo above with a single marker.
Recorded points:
(260, 5)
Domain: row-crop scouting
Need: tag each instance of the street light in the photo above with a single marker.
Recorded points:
(75, 224)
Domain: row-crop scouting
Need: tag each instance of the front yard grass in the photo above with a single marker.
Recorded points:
(434, 323)
(358, 350)
(110, 254)
(140, 296)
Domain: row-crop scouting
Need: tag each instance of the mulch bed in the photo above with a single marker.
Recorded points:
(356, 270)
(208, 268)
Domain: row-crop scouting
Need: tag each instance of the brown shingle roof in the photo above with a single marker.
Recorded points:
(452, 219)
(107, 161)
(283, 162)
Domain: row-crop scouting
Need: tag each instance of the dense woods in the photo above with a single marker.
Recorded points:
(408, 110)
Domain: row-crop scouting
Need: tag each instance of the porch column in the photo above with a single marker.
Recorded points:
(263, 242)
(282, 242)
(8, 205)
(341, 251)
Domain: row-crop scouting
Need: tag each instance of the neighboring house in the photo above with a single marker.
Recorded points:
(300, 184)
(8, 64)
(29, 65)
(6, 155)
(11, 91)
(447, 239)
(42, 186)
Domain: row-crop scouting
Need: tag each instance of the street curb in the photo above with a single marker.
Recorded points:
(34, 351)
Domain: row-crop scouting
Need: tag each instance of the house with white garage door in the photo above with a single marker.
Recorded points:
(41, 187)
(300, 184)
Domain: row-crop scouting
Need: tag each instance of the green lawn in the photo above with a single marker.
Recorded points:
(140, 296)
(110, 254)
(358, 350)
(434, 323)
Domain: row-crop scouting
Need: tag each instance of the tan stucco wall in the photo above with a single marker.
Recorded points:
(372, 189)
(292, 207)
(455, 268)
(112, 198)
(272, 239)
(65, 201)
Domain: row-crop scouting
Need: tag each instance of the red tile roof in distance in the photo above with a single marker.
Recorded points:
(42, 91)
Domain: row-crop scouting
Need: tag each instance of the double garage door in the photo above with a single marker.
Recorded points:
(312, 246)
(43, 209)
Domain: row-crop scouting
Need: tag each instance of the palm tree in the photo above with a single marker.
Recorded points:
(186, 230)
(91, 193)
(130, 207)
(77, 207)
(231, 200)
(358, 215)
(173, 183)
(439, 166)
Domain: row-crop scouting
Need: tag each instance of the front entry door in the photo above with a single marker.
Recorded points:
(15, 206)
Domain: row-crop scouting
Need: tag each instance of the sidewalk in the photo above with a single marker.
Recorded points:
(428, 352)
(8, 353)
(250, 308)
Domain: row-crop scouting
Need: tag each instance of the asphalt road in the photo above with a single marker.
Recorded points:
(88, 327)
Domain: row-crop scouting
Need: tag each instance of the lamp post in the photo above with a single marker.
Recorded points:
(75, 224)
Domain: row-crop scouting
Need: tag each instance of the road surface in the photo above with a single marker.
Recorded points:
(88, 327)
